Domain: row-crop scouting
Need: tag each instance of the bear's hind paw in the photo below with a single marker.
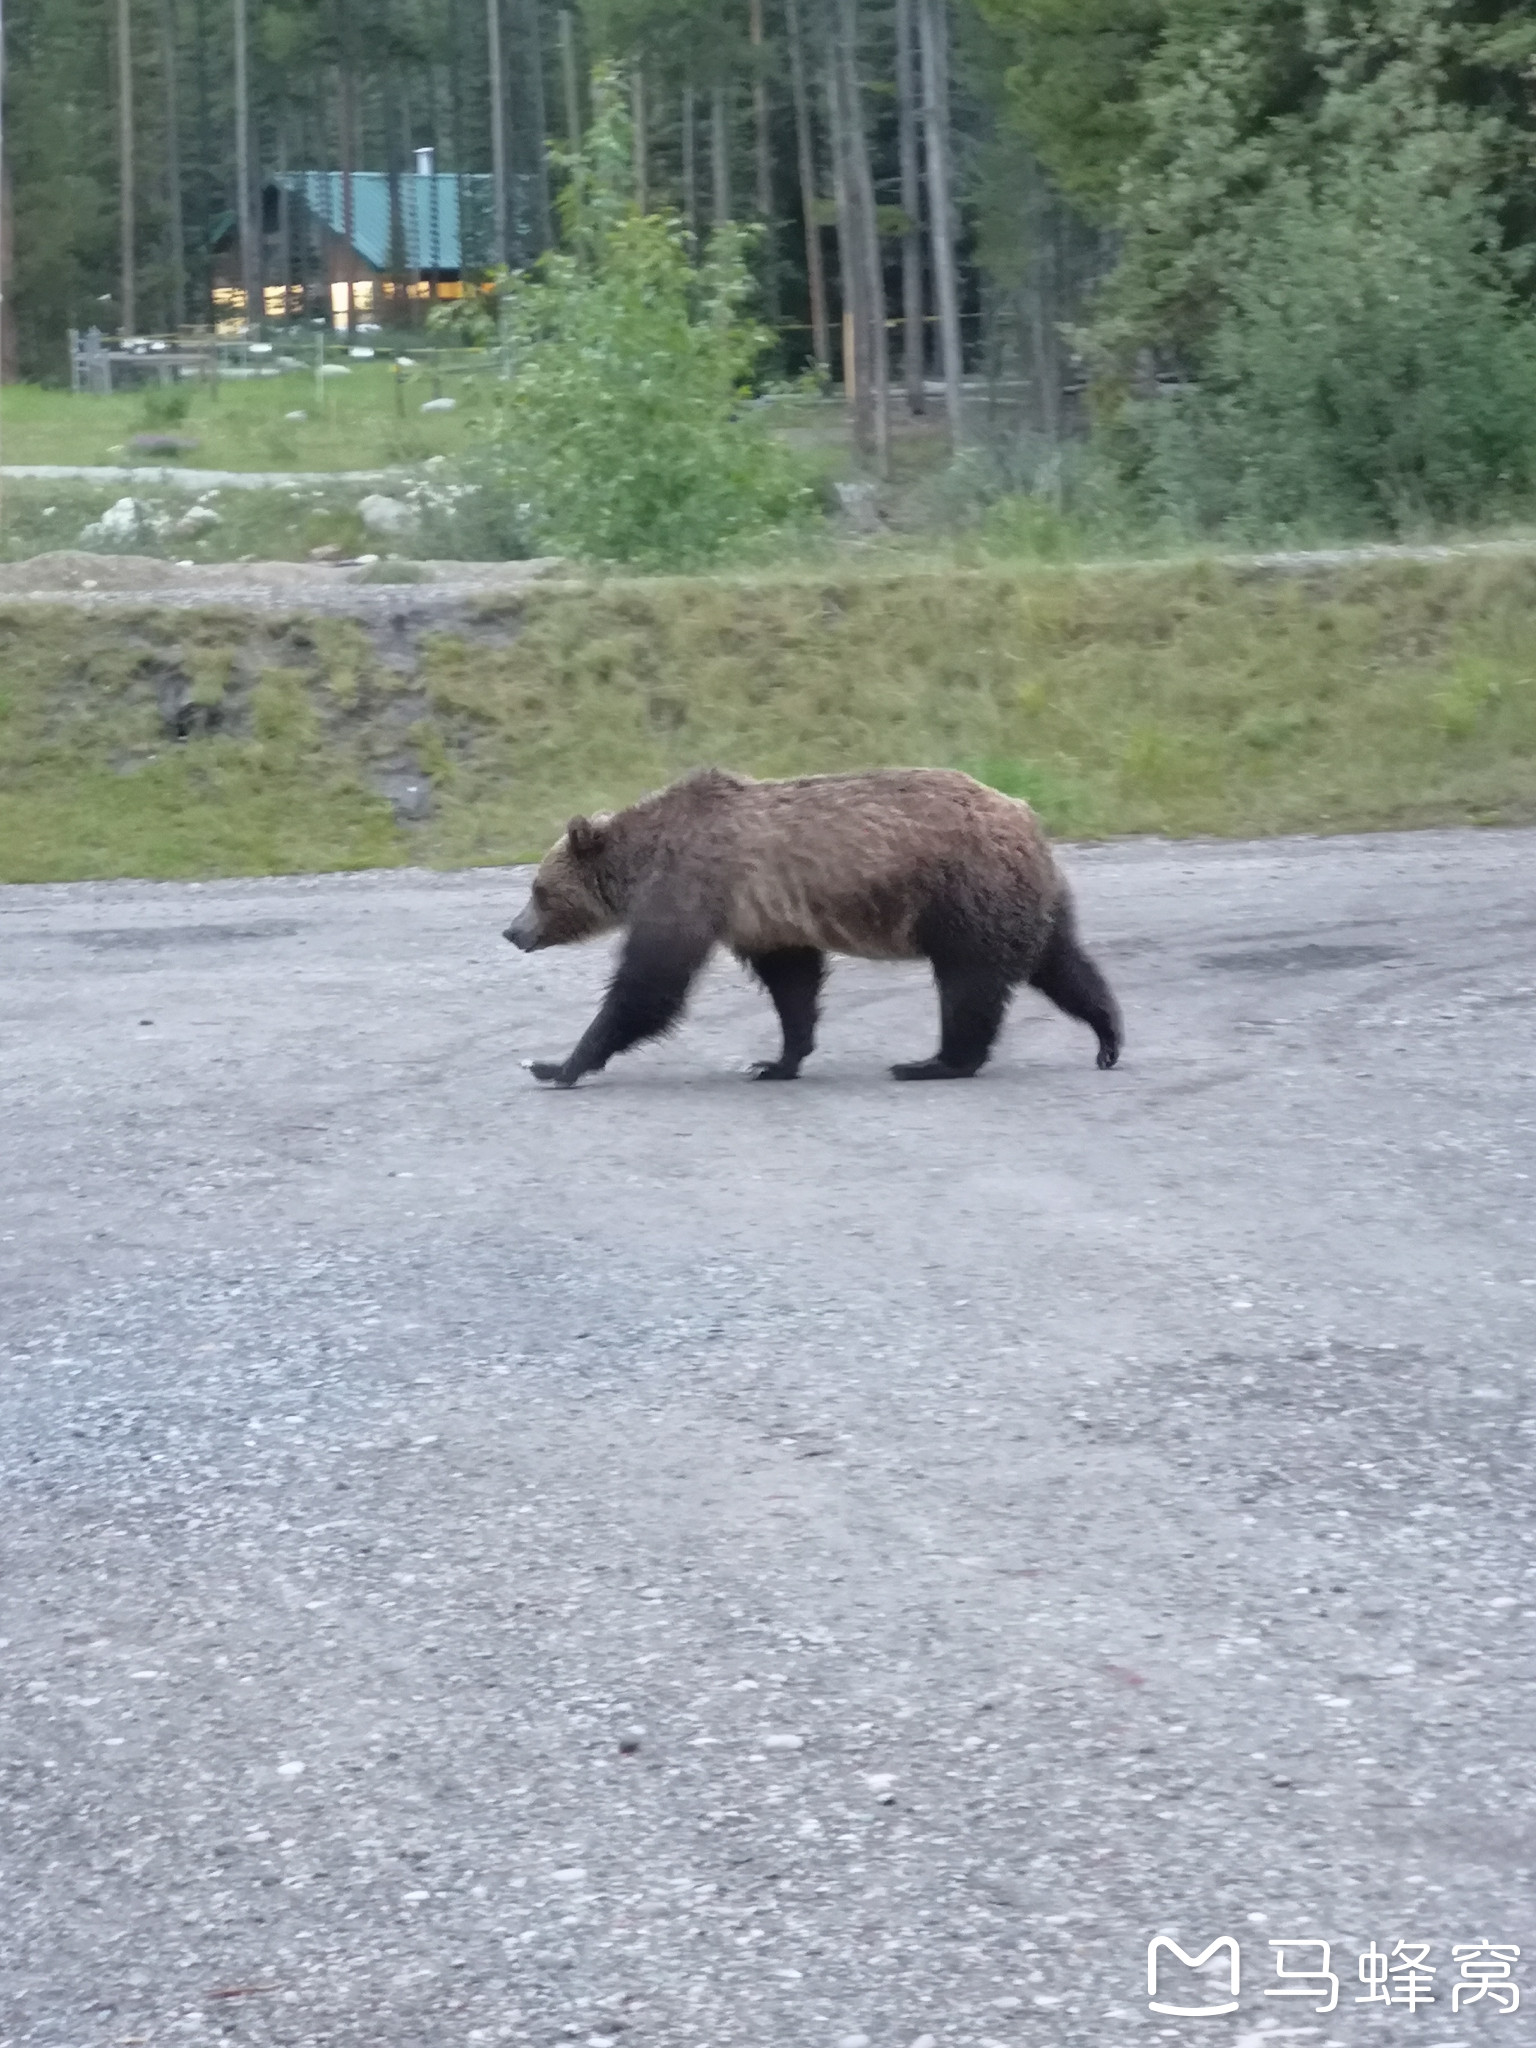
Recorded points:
(552, 1070)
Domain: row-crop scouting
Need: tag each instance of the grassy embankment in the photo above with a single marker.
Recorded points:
(1179, 700)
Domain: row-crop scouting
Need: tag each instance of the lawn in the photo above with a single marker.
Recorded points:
(366, 417)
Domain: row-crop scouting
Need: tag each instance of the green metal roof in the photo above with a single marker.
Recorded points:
(445, 218)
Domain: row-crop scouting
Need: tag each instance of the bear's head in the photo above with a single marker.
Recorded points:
(568, 901)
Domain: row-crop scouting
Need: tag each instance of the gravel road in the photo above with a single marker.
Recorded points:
(683, 1564)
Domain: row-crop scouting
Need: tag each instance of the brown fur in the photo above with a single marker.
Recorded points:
(897, 864)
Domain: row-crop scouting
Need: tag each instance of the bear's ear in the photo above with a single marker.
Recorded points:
(584, 836)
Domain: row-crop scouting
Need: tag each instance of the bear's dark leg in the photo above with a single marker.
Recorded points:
(1066, 975)
(645, 999)
(792, 975)
(972, 999)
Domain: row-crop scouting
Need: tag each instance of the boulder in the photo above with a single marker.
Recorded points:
(386, 515)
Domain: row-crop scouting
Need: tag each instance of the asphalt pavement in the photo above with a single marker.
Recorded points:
(692, 1564)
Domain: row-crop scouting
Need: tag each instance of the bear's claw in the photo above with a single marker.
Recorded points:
(774, 1070)
(551, 1070)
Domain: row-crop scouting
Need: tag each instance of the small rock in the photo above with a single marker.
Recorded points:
(361, 355)
(292, 1769)
(386, 515)
(572, 1874)
(859, 505)
(440, 405)
(329, 552)
(334, 370)
(196, 519)
(120, 521)
(783, 1742)
(411, 796)
(296, 416)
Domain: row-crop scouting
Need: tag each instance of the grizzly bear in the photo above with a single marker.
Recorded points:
(896, 864)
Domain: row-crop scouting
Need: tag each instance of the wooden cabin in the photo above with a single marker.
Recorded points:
(367, 246)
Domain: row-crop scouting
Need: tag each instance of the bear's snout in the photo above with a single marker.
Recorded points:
(521, 935)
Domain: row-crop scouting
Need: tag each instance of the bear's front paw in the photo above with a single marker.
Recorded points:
(774, 1070)
(552, 1070)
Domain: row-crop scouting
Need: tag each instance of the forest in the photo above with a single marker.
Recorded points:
(1238, 265)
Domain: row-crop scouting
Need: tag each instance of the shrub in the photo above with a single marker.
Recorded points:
(1370, 371)
(624, 428)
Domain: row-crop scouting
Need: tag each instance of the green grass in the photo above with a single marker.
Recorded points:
(1184, 699)
(359, 421)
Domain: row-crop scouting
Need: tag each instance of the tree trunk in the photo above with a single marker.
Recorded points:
(284, 213)
(763, 163)
(7, 325)
(8, 339)
(933, 32)
(175, 229)
(498, 128)
(348, 144)
(872, 400)
(690, 174)
(392, 96)
(201, 41)
(720, 155)
(857, 388)
(568, 79)
(250, 249)
(128, 225)
(913, 352)
(815, 274)
(637, 133)
(538, 120)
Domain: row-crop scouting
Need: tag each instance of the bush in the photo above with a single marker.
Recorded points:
(1371, 371)
(624, 430)
(166, 405)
